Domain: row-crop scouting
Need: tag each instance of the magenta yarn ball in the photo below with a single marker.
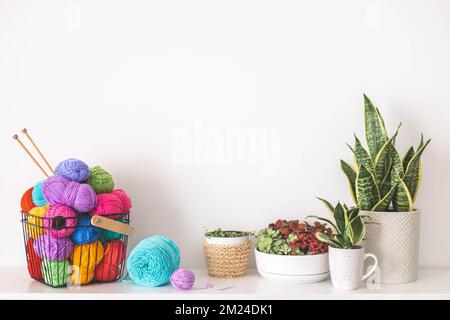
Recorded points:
(79, 196)
(182, 279)
(60, 221)
(110, 205)
(124, 198)
(51, 248)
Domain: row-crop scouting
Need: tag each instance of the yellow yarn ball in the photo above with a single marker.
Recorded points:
(34, 226)
(87, 256)
(82, 277)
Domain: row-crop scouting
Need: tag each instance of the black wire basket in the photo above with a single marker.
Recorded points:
(77, 251)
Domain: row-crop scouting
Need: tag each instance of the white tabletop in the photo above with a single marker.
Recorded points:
(432, 284)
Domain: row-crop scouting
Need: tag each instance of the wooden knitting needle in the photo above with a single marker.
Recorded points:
(37, 149)
(15, 137)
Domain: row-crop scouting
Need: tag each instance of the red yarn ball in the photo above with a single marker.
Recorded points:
(109, 268)
(26, 203)
(34, 261)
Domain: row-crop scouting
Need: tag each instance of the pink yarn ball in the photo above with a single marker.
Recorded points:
(182, 279)
(60, 221)
(108, 204)
(114, 204)
(126, 201)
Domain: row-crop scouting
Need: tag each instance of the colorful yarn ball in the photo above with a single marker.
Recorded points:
(73, 169)
(85, 231)
(107, 235)
(51, 248)
(56, 273)
(182, 279)
(152, 261)
(60, 221)
(115, 204)
(109, 268)
(37, 194)
(79, 196)
(101, 180)
(35, 220)
(34, 262)
(87, 256)
(26, 203)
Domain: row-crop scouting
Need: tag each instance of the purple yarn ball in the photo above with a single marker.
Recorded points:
(79, 196)
(182, 279)
(53, 189)
(73, 169)
(51, 248)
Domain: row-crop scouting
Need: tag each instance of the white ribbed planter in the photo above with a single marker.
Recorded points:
(394, 238)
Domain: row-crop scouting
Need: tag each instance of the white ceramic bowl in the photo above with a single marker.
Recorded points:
(293, 269)
(226, 241)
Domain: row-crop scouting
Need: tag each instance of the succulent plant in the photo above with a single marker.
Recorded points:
(381, 180)
(349, 226)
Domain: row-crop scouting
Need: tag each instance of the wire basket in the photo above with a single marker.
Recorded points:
(90, 252)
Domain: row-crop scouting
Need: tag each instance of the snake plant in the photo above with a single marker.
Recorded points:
(381, 180)
(349, 226)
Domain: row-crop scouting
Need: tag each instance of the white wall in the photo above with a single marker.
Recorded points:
(134, 85)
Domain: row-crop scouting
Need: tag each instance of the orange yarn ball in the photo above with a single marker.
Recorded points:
(26, 203)
(109, 268)
(34, 262)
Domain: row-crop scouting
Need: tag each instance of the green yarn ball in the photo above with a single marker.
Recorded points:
(107, 235)
(55, 272)
(100, 180)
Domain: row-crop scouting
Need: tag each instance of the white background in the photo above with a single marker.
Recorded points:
(113, 82)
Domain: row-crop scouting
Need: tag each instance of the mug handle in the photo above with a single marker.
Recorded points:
(372, 268)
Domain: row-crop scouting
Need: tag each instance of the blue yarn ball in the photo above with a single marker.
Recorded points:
(73, 169)
(152, 261)
(85, 232)
(37, 196)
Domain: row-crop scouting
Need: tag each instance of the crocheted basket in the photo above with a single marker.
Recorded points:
(227, 261)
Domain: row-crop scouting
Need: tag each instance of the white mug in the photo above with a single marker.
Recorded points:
(346, 267)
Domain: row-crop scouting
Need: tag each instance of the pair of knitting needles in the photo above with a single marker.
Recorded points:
(16, 137)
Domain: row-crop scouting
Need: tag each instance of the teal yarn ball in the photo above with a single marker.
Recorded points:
(37, 196)
(152, 261)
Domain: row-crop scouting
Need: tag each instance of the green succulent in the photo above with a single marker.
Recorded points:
(270, 241)
(381, 180)
(219, 233)
(348, 226)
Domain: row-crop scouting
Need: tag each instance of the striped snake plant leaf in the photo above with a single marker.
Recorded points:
(326, 239)
(385, 185)
(367, 191)
(350, 173)
(327, 204)
(341, 217)
(402, 200)
(362, 157)
(352, 213)
(376, 135)
(382, 160)
(383, 204)
(407, 157)
(413, 172)
(356, 230)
